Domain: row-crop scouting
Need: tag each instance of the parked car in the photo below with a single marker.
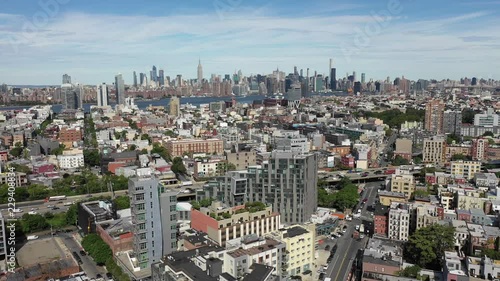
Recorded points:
(82, 253)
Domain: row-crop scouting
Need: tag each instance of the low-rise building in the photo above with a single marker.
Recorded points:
(388, 197)
(467, 169)
(70, 161)
(399, 223)
(381, 258)
(223, 224)
(403, 183)
(486, 180)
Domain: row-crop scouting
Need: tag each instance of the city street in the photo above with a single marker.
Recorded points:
(88, 265)
(341, 264)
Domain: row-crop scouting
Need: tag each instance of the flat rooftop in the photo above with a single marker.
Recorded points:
(295, 231)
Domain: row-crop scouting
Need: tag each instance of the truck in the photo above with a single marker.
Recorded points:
(362, 228)
(55, 198)
(68, 203)
(32, 237)
(390, 172)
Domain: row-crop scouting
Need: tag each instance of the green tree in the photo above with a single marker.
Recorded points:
(122, 202)
(230, 167)
(132, 124)
(488, 134)
(170, 133)
(16, 151)
(426, 246)
(146, 137)
(417, 160)
(468, 116)
(460, 156)
(91, 157)
(410, 271)
(72, 214)
(59, 150)
(33, 223)
(20, 168)
(398, 161)
(97, 248)
(143, 151)
(450, 139)
(132, 147)
(206, 202)
(195, 204)
(161, 150)
(178, 166)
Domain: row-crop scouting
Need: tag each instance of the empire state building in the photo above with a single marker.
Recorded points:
(200, 73)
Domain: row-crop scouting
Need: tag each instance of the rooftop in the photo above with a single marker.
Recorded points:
(294, 231)
(267, 246)
(259, 272)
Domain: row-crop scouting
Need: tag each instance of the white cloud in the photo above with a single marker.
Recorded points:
(94, 47)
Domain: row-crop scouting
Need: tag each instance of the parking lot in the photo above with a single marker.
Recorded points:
(40, 251)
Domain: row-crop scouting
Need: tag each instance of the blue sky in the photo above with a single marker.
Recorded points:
(93, 40)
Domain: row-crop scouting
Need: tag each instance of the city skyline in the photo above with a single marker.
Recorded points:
(95, 41)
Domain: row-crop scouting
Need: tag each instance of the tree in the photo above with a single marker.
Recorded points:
(421, 193)
(122, 202)
(132, 147)
(426, 246)
(460, 156)
(72, 214)
(20, 168)
(178, 166)
(410, 271)
(161, 150)
(59, 150)
(417, 160)
(468, 116)
(97, 248)
(488, 134)
(132, 124)
(230, 167)
(32, 223)
(398, 161)
(146, 137)
(171, 134)
(16, 151)
(91, 157)
(450, 139)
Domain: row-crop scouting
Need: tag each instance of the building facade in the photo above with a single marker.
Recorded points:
(399, 224)
(466, 169)
(434, 111)
(177, 148)
(434, 150)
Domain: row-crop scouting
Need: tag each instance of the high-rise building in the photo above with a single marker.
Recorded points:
(318, 83)
(102, 95)
(71, 96)
(357, 87)
(363, 77)
(144, 192)
(487, 119)
(200, 73)
(142, 76)
(168, 210)
(120, 89)
(333, 79)
(434, 111)
(452, 122)
(354, 78)
(135, 79)
(479, 149)
(434, 150)
(287, 181)
(154, 76)
(66, 79)
(3, 237)
(161, 78)
(474, 81)
(174, 106)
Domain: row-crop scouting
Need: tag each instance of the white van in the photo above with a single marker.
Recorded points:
(32, 237)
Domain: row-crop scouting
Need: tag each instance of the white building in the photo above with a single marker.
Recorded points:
(70, 161)
(102, 95)
(488, 119)
(399, 224)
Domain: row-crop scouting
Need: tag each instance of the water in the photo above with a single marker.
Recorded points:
(143, 104)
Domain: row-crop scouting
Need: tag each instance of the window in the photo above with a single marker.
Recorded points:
(172, 208)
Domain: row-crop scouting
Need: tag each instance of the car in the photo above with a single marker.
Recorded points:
(33, 209)
(321, 276)
(357, 227)
(327, 247)
(109, 275)
(50, 206)
(89, 195)
(365, 200)
(82, 253)
(98, 276)
(55, 208)
(344, 230)
(359, 211)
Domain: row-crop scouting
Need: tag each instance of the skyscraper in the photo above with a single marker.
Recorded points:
(357, 87)
(141, 78)
(135, 79)
(174, 106)
(363, 77)
(434, 116)
(333, 79)
(102, 94)
(71, 96)
(287, 181)
(66, 79)
(200, 72)
(161, 78)
(168, 210)
(452, 122)
(120, 89)
(146, 217)
(354, 78)
(154, 76)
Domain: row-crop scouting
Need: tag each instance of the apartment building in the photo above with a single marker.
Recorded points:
(425, 215)
(241, 255)
(68, 136)
(399, 223)
(467, 202)
(486, 180)
(154, 218)
(403, 183)
(177, 148)
(300, 253)
(466, 169)
(479, 150)
(434, 150)
(404, 148)
(242, 160)
(382, 259)
(223, 223)
(388, 197)
(287, 181)
(380, 218)
(434, 111)
(3, 237)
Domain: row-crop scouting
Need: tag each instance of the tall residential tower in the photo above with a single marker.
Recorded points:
(120, 89)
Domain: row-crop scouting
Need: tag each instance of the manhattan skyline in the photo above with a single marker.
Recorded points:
(94, 40)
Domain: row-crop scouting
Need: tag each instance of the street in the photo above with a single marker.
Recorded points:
(88, 265)
(341, 264)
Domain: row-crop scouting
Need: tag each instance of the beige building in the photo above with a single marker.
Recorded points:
(300, 252)
(388, 197)
(425, 215)
(467, 169)
(403, 146)
(465, 202)
(174, 106)
(209, 146)
(403, 183)
(399, 224)
(434, 150)
(241, 160)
